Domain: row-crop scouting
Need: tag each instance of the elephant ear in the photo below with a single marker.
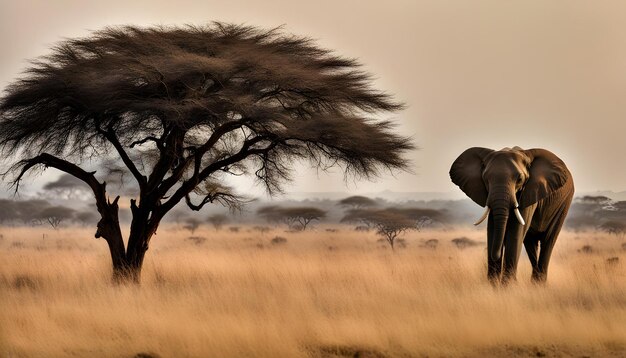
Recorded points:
(547, 174)
(467, 173)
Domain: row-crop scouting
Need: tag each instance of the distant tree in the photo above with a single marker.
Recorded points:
(590, 199)
(86, 217)
(584, 215)
(29, 211)
(357, 202)
(423, 217)
(8, 211)
(621, 205)
(612, 227)
(55, 215)
(191, 224)
(182, 108)
(297, 217)
(418, 216)
(390, 223)
(217, 220)
(67, 186)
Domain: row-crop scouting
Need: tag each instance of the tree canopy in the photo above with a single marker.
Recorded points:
(390, 223)
(296, 217)
(181, 108)
(357, 202)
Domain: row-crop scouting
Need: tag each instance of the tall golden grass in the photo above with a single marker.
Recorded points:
(321, 294)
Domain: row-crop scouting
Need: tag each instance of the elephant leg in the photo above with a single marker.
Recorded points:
(515, 234)
(494, 270)
(531, 242)
(547, 244)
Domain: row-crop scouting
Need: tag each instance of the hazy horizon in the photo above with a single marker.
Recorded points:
(484, 73)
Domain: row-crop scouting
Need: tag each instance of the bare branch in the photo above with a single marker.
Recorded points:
(156, 140)
(48, 160)
(112, 137)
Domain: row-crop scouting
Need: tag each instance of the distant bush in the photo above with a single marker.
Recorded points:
(587, 249)
(17, 245)
(198, 240)
(464, 242)
(431, 244)
(278, 240)
(262, 229)
(146, 355)
(25, 282)
(234, 229)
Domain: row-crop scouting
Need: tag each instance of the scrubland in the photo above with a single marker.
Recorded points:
(327, 292)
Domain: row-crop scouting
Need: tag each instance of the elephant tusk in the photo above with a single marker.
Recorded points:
(519, 217)
(482, 218)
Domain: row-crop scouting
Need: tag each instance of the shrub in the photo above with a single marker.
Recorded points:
(278, 240)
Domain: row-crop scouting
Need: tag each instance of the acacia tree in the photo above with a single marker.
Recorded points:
(67, 186)
(296, 217)
(357, 202)
(217, 220)
(614, 227)
(55, 215)
(191, 224)
(390, 223)
(184, 107)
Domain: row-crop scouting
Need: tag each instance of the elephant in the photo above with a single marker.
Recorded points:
(533, 185)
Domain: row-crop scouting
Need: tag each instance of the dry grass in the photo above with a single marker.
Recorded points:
(319, 294)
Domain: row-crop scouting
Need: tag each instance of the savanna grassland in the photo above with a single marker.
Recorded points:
(322, 293)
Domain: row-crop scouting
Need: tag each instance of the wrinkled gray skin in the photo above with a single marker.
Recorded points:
(536, 180)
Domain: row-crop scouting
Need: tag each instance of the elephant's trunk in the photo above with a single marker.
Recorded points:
(500, 208)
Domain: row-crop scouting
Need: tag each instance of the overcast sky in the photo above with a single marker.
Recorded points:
(548, 74)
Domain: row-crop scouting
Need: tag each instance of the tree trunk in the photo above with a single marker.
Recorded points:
(127, 263)
(142, 227)
(137, 247)
(109, 229)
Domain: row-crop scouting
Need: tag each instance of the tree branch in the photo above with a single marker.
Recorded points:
(197, 155)
(99, 189)
(173, 142)
(190, 184)
(156, 140)
(141, 179)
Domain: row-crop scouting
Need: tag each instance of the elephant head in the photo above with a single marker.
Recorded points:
(505, 181)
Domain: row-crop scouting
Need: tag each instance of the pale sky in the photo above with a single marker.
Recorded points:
(548, 74)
